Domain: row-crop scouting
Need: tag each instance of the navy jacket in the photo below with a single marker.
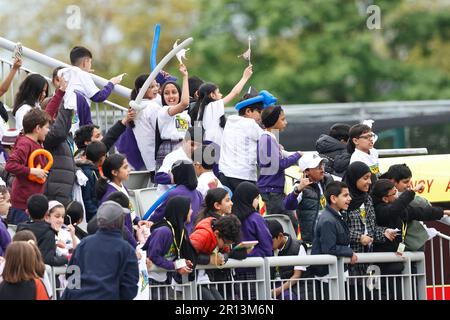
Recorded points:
(331, 236)
(108, 266)
(88, 191)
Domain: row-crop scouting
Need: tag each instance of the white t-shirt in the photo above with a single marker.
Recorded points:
(80, 81)
(144, 131)
(20, 114)
(77, 80)
(239, 145)
(211, 121)
(66, 238)
(371, 159)
(205, 180)
(173, 127)
(166, 167)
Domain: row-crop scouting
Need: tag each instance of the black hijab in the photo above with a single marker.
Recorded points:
(354, 172)
(177, 210)
(184, 174)
(243, 198)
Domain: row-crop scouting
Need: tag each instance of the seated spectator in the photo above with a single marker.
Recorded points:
(66, 240)
(192, 140)
(186, 183)
(45, 234)
(203, 164)
(108, 264)
(74, 216)
(285, 245)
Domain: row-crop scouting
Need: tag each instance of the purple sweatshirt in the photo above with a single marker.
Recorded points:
(272, 164)
(5, 238)
(255, 228)
(127, 221)
(181, 190)
(158, 246)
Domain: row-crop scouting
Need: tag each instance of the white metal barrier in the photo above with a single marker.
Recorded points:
(440, 257)
(377, 286)
(103, 114)
(335, 286)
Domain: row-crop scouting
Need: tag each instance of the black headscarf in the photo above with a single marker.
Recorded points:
(243, 198)
(354, 172)
(184, 174)
(177, 210)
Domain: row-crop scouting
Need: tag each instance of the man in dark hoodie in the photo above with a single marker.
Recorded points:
(37, 207)
(333, 147)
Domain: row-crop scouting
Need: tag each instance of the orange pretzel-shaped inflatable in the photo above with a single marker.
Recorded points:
(47, 167)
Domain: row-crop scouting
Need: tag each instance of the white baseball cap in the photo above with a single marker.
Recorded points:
(310, 161)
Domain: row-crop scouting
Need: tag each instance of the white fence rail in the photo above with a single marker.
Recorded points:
(332, 287)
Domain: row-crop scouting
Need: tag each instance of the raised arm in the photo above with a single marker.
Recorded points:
(17, 63)
(184, 99)
(239, 86)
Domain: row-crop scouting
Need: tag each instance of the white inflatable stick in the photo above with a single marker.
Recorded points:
(136, 104)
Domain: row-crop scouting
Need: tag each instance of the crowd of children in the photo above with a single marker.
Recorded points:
(211, 172)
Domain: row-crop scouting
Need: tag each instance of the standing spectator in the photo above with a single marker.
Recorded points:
(32, 92)
(168, 242)
(4, 86)
(21, 279)
(272, 162)
(173, 118)
(253, 227)
(308, 196)
(333, 147)
(108, 264)
(211, 238)
(59, 143)
(332, 235)
(238, 161)
(361, 221)
(36, 128)
(360, 146)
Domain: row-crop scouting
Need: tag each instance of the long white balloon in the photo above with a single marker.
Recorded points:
(136, 104)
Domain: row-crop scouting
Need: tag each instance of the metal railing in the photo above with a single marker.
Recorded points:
(335, 286)
(440, 260)
(54, 63)
(103, 114)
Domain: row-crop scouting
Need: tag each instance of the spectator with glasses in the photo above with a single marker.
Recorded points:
(360, 146)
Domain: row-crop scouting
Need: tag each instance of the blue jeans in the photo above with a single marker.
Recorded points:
(16, 216)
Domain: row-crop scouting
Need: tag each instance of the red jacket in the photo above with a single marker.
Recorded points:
(203, 238)
(17, 164)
